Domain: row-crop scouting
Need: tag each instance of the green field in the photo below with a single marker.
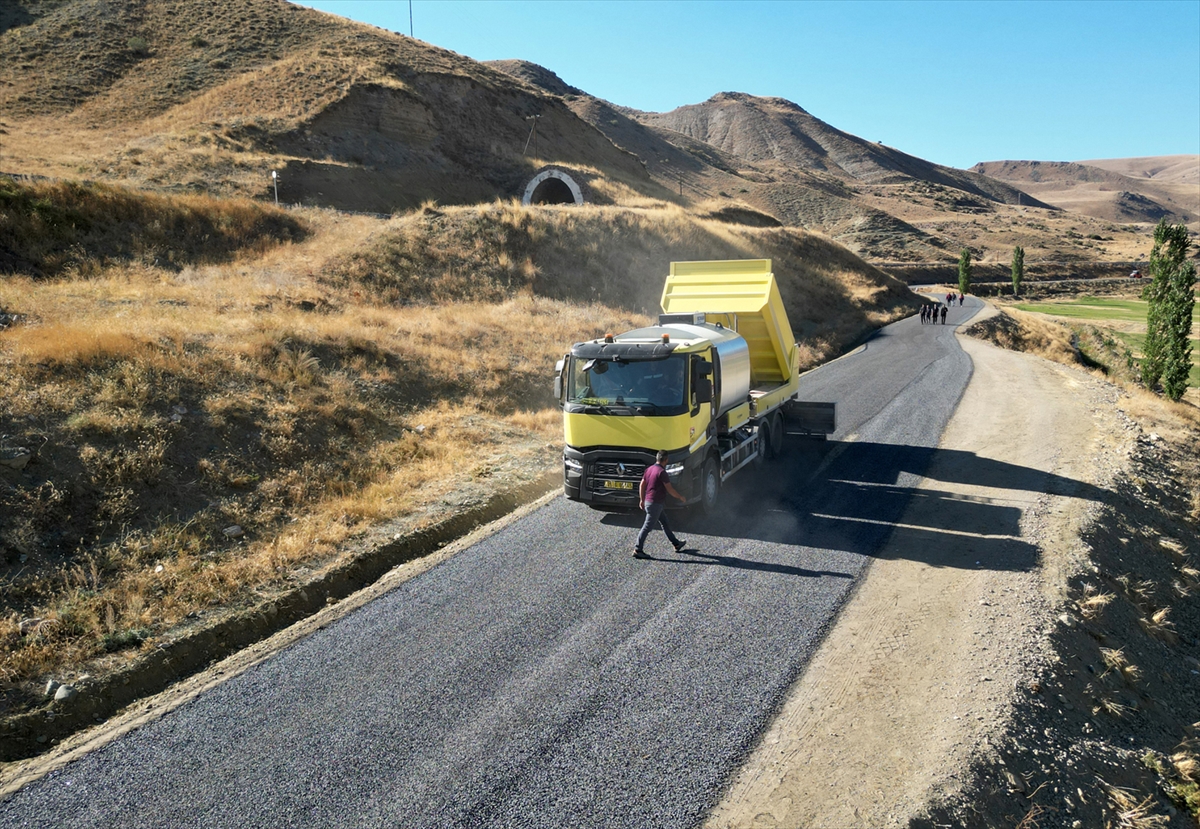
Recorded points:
(1136, 343)
(1091, 308)
(1099, 310)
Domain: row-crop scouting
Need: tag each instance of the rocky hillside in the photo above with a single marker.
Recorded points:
(203, 96)
(775, 131)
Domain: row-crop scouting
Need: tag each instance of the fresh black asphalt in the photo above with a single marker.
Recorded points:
(543, 678)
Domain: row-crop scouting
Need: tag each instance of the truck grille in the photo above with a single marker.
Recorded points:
(619, 469)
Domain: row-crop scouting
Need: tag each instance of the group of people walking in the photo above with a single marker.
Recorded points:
(930, 313)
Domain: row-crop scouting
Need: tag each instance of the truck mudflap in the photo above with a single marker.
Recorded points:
(803, 417)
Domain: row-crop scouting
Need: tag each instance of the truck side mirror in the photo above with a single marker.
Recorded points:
(704, 390)
(560, 369)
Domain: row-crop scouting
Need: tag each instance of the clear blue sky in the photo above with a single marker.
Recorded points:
(951, 82)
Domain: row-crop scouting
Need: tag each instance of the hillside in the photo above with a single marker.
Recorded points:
(885, 205)
(775, 131)
(1121, 190)
(188, 96)
(1174, 169)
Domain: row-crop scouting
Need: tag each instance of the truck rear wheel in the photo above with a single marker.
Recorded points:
(771, 436)
(710, 486)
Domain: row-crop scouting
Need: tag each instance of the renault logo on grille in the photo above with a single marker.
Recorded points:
(621, 469)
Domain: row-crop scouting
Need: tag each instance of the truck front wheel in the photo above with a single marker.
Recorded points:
(710, 486)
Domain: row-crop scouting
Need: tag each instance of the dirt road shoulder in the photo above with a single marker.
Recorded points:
(921, 670)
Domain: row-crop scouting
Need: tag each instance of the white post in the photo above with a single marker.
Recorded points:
(275, 183)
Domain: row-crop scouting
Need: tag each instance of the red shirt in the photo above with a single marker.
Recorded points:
(655, 478)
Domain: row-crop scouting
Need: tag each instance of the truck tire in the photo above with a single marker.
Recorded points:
(772, 430)
(710, 486)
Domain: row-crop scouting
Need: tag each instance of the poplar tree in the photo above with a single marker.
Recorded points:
(964, 271)
(1018, 268)
(1171, 299)
(1177, 356)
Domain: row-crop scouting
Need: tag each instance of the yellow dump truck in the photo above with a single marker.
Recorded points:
(714, 384)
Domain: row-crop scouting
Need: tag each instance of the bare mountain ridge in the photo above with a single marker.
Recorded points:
(775, 130)
(1164, 187)
(1176, 169)
(863, 193)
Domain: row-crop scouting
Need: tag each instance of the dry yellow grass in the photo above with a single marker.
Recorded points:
(1093, 603)
(1019, 331)
(310, 449)
(619, 253)
(1132, 813)
(66, 228)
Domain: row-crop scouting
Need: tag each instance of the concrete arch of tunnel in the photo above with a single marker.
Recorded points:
(552, 187)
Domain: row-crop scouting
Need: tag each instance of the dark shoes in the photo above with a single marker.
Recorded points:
(679, 545)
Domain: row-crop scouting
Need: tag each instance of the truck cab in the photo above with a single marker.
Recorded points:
(707, 385)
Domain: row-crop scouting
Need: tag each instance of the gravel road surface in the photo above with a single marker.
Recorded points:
(543, 677)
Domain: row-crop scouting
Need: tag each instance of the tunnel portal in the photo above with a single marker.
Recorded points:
(552, 187)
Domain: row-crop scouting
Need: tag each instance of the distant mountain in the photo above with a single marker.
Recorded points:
(1169, 169)
(776, 132)
(1119, 190)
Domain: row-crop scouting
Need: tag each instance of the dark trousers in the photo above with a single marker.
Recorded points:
(656, 514)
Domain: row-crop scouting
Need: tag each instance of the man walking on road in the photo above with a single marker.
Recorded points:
(652, 497)
(944, 309)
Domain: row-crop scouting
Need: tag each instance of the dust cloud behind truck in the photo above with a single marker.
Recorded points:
(713, 384)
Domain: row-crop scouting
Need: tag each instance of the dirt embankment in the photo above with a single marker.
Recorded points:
(1042, 671)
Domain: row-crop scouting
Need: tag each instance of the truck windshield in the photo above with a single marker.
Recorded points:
(653, 387)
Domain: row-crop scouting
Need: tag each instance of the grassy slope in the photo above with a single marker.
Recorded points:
(281, 387)
(212, 96)
(66, 227)
(1102, 312)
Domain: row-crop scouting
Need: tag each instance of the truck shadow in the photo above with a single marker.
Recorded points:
(852, 497)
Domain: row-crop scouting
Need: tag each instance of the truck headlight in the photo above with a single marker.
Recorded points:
(674, 469)
(572, 464)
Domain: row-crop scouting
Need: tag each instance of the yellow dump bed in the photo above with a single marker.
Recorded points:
(740, 294)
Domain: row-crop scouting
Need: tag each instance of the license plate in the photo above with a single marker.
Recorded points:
(618, 484)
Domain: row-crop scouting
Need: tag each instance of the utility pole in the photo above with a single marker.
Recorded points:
(532, 136)
(410, 28)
